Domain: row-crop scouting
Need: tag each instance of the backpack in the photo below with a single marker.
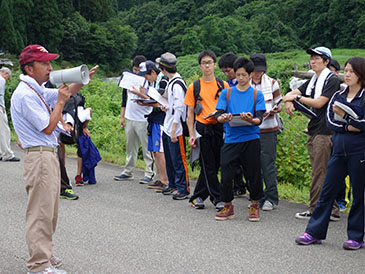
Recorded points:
(196, 87)
(71, 108)
(180, 82)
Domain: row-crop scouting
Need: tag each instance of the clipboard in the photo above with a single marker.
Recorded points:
(130, 80)
(304, 110)
(210, 115)
(145, 101)
(238, 122)
(345, 108)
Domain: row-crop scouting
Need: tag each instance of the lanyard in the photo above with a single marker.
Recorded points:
(49, 110)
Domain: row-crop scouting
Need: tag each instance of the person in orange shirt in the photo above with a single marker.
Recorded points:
(201, 99)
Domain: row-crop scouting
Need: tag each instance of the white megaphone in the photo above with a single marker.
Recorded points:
(79, 75)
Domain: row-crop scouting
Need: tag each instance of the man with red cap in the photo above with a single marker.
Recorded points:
(34, 123)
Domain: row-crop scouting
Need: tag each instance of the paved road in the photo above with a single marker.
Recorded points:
(122, 227)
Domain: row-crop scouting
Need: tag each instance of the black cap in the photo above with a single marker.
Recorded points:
(335, 64)
(259, 60)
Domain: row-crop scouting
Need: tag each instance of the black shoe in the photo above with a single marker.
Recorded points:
(169, 191)
(68, 194)
(180, 196)
(14, 159)
(239, 193)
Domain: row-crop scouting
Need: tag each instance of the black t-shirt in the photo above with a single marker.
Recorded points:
(318, 125)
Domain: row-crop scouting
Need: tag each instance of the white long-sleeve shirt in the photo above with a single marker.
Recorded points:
(176, 107)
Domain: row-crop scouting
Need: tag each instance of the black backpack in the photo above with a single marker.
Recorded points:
(71, 108)
(196, 86)
(180, 81)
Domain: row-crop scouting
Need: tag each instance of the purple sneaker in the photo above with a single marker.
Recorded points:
(307, 239)
(353, 245)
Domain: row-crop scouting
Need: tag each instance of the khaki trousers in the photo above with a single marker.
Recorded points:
(319, 149)
(42, 183)
(136, 134)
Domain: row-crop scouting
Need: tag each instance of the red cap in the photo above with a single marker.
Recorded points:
(36, 53)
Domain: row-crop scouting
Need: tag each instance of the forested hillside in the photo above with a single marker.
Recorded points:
(109, 32)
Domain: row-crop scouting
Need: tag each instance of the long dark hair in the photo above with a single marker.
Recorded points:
(358, 65)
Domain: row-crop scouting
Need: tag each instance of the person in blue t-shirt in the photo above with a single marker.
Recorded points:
(226, 65)
(241, 107)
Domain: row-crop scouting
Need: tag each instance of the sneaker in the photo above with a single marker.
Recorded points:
(79, 181)
(254, 213)
(155, 184)
(14, 159)
(219, 206)
(55, 262)
(123, 177)
(160, 188)
(303, 215)
(334, 218)
(180, 196)
(226, 213)
(353, 245)
(197, 203)
(169, 190)
(145, 180)
(267, 206)
(239, 193)
(49, 270)
(342, 207)
(68, 194)
(307, 239)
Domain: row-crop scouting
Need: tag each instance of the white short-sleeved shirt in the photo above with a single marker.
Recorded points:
(30, 115)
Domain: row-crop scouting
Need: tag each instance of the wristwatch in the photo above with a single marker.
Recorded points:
(298, 97)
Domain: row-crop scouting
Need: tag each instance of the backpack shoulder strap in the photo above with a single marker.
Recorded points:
(180, 82)
(228, 95)
(220, 85)
(327, 78)
(254, 101)
(196, 90)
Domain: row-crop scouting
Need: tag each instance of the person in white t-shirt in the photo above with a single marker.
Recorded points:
(133, 120)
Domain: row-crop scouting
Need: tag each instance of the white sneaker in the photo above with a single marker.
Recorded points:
(306, 215)
(267, 206)
(49, 270)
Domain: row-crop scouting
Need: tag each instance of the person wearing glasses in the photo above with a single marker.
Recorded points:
(316, 93)
(201, 99)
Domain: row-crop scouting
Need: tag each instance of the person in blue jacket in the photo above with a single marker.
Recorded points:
(347, 158)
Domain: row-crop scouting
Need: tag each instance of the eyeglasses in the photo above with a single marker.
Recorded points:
(207, 63)
(227, 71)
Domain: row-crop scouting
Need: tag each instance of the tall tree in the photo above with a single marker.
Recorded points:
(96, 10)
(8, 38)
(44, 25)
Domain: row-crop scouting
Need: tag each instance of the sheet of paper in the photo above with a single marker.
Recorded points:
(154, 94)
(346, 109)
(130, 80)
(60, 129)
